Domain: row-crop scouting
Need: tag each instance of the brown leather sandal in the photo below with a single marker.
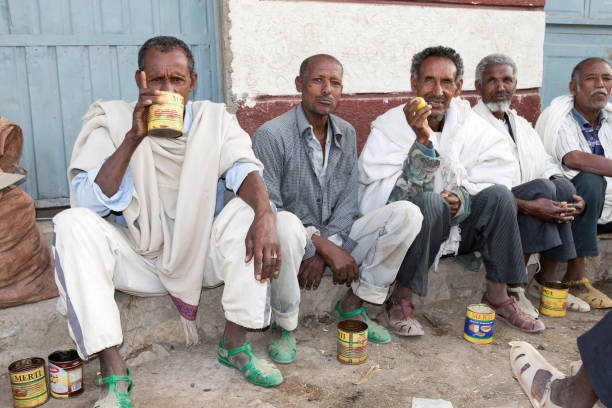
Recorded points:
(517, 319)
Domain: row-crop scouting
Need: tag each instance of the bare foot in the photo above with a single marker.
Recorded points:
(111, 363)
(574, 392)
(234, 336)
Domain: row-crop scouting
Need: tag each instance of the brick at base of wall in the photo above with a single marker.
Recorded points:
(361, 109)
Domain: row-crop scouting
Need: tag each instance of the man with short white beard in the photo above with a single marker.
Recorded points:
(546, 201)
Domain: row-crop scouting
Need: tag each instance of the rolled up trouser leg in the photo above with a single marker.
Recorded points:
(93, 258)
(492, 229)
(245, 300)
(592, 188)
(422, 252)
(383, 237)
(285, 288)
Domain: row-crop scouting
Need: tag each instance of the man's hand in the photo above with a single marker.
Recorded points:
(146, 97)
(417, 120)
(578, 205)
(342, 264)
(263, 246)
(311, 271)
(452, 200)
(547, 210)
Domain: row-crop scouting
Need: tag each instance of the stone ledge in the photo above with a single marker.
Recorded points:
(37, 329)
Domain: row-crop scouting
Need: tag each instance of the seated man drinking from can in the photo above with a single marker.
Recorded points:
(174, 235)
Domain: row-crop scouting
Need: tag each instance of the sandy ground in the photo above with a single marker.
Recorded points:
(439, 365)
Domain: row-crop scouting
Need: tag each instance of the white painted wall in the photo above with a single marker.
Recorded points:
(375, 42)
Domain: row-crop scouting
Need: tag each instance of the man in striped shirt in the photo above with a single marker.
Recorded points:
(577, 132)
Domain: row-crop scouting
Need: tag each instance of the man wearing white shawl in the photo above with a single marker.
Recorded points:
(577, 132)
(470, 207)
(167, 236)
(546, 200)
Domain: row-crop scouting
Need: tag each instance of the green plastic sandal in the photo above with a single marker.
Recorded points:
(257, 371)
(283, 349)
(114, 398)
(376, 333)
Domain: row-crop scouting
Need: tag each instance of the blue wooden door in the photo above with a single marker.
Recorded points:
(575, 29)
(58, 56)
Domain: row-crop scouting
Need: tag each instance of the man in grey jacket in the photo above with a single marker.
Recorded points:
(310, 160)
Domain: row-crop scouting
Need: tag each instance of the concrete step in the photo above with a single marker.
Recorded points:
(38, 329)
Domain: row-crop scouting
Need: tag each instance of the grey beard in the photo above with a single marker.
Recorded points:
(498, 106)
(439, 117)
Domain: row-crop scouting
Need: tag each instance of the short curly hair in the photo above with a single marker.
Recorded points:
(439, 51)
(165, 44)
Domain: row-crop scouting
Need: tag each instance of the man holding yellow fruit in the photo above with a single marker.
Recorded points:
(458, 170)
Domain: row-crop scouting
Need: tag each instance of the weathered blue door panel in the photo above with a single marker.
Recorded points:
(575, 30)
(58, 56)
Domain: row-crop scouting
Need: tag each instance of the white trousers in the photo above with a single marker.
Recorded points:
(93, 258)
(383, 237)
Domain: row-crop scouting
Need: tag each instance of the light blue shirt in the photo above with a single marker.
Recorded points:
(89, 195)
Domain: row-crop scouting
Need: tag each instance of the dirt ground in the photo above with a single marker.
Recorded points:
(439, 365)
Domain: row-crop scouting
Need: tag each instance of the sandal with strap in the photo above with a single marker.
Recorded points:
(517, 319)
(114, 398)
(257, 371)
(595, 298)
(283, 349)
(526, 361)
(399, 316)
(574, 304)
(523, 303)
(376, 333)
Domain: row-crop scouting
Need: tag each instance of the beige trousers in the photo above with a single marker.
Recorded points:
(93, 258)
(383, 237)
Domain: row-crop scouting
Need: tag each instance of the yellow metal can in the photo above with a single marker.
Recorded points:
(28, 382)
(167, 120)
(479, 321)
(352, 341)
(553, 300)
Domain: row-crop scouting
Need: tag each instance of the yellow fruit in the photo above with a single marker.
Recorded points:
(421, 104)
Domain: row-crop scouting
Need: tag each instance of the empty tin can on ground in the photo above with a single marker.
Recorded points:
(352, 341)
(479, 320)
(65, 374)
(166, 120)
(553, 299)
(28, 382)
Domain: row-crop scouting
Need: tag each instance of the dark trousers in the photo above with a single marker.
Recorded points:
(592, 188)
(549, 239)
(596, 352)
(491, 228)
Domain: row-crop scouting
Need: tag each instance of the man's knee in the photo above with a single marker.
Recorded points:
(432, 205)
(73, 219)
(544, 189)
(290, 230)
(589, 185)
(500, 196)
(406, 214)
(565, 189)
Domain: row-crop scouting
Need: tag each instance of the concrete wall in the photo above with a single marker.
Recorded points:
(266, 40)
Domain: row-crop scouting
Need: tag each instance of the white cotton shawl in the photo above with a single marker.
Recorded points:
(175, 184)
(473, 155)
(534, 162)
(552, 123)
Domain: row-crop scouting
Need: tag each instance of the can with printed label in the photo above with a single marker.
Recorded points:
(28, 382)
(479, 320)
(65, 374)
